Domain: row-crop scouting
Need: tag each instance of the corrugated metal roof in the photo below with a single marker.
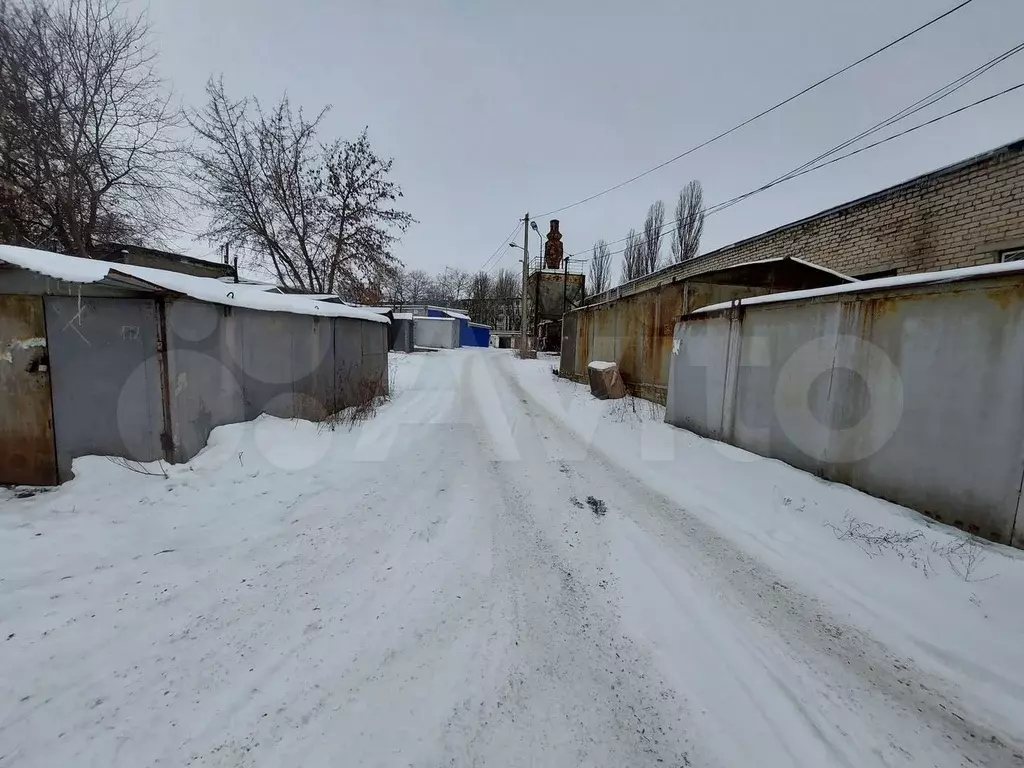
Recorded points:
(881, 284)
(78, 270)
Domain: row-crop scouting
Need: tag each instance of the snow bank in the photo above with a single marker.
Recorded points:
(78, 270)
(914, 593)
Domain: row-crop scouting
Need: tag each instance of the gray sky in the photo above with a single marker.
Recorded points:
(492, 109)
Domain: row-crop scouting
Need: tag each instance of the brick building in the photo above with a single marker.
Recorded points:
(963, 215)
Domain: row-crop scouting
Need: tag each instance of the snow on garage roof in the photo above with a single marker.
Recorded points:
(880, 284)
(78, 270)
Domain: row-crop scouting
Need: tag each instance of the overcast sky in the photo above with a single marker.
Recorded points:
(491, 109)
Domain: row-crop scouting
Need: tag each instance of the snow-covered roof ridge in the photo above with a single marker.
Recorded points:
(882, 283)
(74, 269)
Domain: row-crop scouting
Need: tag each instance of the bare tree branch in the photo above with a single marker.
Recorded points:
(321, 217)
(689, 223)
(650, 252)
(88, 150)
(600, 267)
(631, 257)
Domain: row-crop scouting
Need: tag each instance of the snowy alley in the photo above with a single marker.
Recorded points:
(497, 570)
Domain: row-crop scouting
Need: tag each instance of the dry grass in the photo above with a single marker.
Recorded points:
(635, 409)
(138, 467)
(875, 539)
(367, 395)
(964, 556)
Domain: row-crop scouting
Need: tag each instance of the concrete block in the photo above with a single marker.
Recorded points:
(605, 381)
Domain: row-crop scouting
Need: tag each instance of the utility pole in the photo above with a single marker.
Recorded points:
(523, 352)
(565, 282)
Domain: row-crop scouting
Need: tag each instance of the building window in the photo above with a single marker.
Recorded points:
(1014, 254)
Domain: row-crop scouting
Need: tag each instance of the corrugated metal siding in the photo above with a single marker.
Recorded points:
(913, 395)
(105, 375)
(636, 332)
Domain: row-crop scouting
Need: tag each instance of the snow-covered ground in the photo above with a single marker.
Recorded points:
(497, 570)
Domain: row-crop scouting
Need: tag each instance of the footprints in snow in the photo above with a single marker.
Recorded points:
(597, 506)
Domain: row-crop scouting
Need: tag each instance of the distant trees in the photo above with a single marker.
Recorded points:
(689, 222)
(88, 147)
(320, 217)
(632, 255)
(600, 277)
(502, 309)
(481, 294)
(650, 251)
(489, 299)
(451, 287)
(507, 284)
(642, 252)
(417, 285)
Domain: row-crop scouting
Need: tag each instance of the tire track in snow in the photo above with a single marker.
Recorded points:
(579, 692)
(844, 691)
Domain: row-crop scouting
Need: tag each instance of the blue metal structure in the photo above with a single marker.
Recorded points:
(470, 334)
(481, 335)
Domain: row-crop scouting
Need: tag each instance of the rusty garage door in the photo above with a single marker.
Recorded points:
(26, 419)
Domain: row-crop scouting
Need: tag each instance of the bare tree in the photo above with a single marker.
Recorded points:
(631, 257)
(650, 252)
(393, 288)
(689, 223)
(417, 286)
(452, 286)
(507, 288)
(481, 298)
(320, 217)
(88, 149)
(600, 267)
(506, 284)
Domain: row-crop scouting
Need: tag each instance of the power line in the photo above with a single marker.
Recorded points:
(1003, 92)
(717, 208)
(922, 103)
(759, 115)
(504, 244)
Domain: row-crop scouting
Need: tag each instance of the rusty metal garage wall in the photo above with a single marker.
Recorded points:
(105, 378)
(913, 395)
(231, 365)
(636, 332)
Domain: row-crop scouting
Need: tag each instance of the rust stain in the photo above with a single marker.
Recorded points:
(26, 419)
(1007, 298)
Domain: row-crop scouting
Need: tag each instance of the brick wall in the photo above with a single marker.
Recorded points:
(959, 216)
